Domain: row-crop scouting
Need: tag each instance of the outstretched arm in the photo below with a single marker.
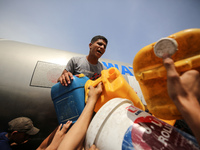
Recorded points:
(78, 131)
(184, 91)
(53, 140)
(47, 141)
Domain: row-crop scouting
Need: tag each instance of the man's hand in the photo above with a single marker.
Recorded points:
(64, 79)
(184, 91)
(59, 135)
(94, 92)
(182, 87)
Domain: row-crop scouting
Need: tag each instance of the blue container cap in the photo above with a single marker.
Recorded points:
(58, 89)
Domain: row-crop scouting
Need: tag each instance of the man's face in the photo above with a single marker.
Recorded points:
(20, 137)
(97, 48)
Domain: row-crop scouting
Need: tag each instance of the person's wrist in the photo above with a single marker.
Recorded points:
(91, 101)
(50, 147)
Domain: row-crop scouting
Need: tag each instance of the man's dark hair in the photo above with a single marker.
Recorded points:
(95, 38)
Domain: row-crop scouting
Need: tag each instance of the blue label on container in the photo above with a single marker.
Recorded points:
(127, 142)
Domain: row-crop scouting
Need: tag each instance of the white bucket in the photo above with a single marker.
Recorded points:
(120, 125)
(106, 127)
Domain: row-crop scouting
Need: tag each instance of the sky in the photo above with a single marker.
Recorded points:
(129, 25)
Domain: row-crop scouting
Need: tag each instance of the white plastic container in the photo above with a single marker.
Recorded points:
(106, 127)
(118, 125)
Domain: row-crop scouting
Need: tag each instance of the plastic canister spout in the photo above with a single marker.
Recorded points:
(112, 74)
(165, 47)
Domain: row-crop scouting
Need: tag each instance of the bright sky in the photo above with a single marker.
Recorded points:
(69, 25)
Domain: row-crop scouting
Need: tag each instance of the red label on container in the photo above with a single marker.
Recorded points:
(150, 133)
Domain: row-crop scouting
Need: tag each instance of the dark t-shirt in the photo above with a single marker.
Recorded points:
(4, 142)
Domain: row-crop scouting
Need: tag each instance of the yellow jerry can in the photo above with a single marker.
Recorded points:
(114, 86)
(151, 74)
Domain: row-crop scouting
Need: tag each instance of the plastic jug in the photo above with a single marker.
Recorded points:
(69, 101)
(114, 85)
(151, 74)
(119, 125)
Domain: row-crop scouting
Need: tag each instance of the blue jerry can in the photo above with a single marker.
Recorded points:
(69, 101)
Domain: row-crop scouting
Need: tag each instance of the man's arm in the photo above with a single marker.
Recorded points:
(184, 91)
(60, 133)
(78, 131)
(53, 140)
